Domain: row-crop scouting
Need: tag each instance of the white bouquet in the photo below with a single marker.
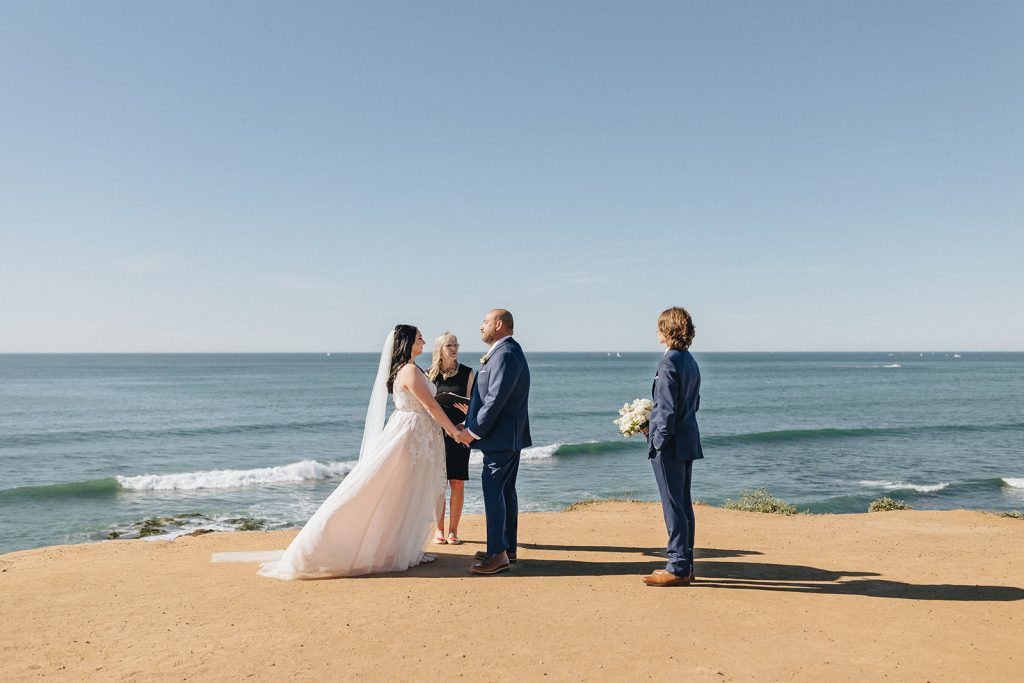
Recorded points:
(634, 417)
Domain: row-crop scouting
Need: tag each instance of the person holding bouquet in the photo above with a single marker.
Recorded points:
(674, 443)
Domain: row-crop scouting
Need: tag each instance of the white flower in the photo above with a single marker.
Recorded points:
(634, 416)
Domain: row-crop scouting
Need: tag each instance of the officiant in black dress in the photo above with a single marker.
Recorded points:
(449, 375)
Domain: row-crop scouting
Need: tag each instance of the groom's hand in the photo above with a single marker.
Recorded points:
(463, 437)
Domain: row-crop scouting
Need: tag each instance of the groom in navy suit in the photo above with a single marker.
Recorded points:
(674, 443)
(499, 422)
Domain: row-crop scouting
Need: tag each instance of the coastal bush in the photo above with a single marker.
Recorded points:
(760, 500)
(886, 504)
(151, 527)
(1012, 514)
(157, 526)
(246, 524)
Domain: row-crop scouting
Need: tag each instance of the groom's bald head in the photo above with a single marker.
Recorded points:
(498, 323)
(505, 318)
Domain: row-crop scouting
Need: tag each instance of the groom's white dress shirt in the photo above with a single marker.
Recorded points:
(495, 345)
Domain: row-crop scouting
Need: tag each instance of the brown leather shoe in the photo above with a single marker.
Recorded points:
(665, 579)
(693, 577)
(494, 564)
(482, 555)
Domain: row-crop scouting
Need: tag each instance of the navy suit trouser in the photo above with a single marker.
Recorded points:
(674, 478)
(501, 503)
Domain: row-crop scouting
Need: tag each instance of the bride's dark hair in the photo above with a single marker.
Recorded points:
(401, 352)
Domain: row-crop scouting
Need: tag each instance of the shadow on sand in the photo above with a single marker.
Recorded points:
(729, 574)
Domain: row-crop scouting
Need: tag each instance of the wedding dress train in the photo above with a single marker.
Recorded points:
(381, 516)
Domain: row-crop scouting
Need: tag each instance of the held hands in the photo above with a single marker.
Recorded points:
(462, 435)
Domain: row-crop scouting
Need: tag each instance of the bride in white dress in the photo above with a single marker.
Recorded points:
(380, 517)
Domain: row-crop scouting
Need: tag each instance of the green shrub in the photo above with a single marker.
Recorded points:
(886, 504)
(247, 524)
(1012, 514)
(151, 527)
(760, 500)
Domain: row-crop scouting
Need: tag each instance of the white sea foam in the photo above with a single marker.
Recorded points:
(533, 453)
(226, 479)
(902, 485)
(893, 365)
(1014, 482)
(188, 528)
(539, 452)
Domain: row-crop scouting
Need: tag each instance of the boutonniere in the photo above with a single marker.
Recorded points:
(484, 359)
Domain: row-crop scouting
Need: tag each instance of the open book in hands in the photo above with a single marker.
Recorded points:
(447, 398)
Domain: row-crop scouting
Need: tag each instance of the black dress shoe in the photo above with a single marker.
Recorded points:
(482, 555)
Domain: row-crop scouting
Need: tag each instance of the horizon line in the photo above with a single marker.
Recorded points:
(481, 350)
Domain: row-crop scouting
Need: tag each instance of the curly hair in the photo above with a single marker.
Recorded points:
(401, 352)
(677, 327)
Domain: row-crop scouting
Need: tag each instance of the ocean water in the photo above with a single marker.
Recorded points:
(93, 446)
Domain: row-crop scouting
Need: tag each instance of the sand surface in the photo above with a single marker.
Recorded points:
(915, 596)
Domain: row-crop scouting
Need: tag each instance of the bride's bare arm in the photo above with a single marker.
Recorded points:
(413, 381)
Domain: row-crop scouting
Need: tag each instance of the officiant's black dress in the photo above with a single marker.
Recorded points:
(456, 455)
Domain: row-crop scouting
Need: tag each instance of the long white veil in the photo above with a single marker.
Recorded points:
(376, 411)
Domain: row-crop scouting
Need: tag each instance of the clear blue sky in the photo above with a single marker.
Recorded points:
(244, 176)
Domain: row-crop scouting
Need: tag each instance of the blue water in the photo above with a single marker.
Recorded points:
(829, 432)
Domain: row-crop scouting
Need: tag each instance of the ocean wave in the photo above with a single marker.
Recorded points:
(904, 486)
(564, 449)
(596, 447)
(533, 453)
(1014, 482)
(828, 434)
(858, 502)
(79, 489)
(540, 452)
(789, 435)
(304, 470)
(72, 436)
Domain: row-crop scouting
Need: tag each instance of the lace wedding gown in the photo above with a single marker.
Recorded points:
(380, 517)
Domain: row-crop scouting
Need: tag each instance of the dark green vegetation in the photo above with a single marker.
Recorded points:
(760, 500)
(885, 504)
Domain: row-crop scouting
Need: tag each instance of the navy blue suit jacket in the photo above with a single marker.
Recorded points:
(498, 409)
(676, 396)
